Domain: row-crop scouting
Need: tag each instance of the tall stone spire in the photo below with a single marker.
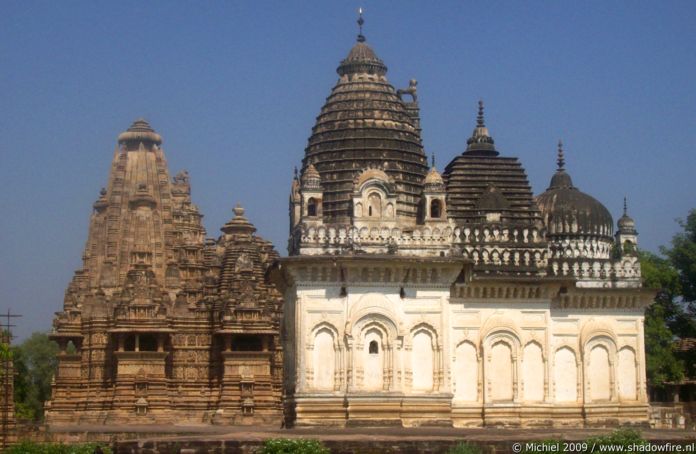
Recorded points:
(142, 217)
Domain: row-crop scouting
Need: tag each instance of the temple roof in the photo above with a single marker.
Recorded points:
(470, 176)
(568, 211)
(362, 125)
(140, 131)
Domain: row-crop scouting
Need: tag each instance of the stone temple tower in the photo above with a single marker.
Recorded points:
(161, 324)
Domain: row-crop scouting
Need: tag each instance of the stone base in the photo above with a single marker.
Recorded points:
(502, 415)
(319, 410)
(467, 415)
(374, 410)
(427, 410)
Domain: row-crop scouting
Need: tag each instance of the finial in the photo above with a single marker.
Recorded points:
(295, 171)
(361, 21)
(479, 118)
(102, 192)
(561, 159)
(238, 210)
(432, 160)
(625, 206)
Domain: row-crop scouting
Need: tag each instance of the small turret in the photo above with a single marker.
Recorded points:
(626, 235)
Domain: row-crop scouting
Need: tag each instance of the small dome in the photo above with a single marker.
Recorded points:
(568, 211)
(140, 131)
(481, 142)
(434, 181)
(311, 178)
(626, 223)
(362, 59)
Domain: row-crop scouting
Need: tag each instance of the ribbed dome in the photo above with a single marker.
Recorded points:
(471, 174)
(567, 211)
(311, 177)
(626, 223)
(362, 125)
(140, 131)
(434, 181)
(362, 59)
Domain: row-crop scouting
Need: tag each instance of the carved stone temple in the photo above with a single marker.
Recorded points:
(409, 297)
(161, 324)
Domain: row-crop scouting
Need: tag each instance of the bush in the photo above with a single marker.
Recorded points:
(293, 446)
(465, 448)
(619, 437)
(29, 447)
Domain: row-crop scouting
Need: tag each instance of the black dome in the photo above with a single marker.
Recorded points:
(568, 211)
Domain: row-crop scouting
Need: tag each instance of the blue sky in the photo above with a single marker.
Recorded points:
(234, 87)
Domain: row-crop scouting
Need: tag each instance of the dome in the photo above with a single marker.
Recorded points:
(434, 181)
(361, 59)
(311, 178)
(626, 223)
(481, 142)
(364, 124)
(470, 175)
(568, 211)
(140, 131)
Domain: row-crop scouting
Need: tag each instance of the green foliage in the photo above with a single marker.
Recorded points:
(28, 447)
(619, 437)
(662, 363)
(293, 446)
(683, 257)
(465, 448)
(35, 364)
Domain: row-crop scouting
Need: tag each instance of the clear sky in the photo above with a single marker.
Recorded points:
(234, 88)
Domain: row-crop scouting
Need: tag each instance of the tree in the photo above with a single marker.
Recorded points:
(35, 363)
(673, 315)
(662, 363)
(682, 255)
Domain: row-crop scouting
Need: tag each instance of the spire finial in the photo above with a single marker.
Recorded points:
(479, 118)
(361, 21)
(432, 160)
(625, 206)
(295, 171)
(561, 158)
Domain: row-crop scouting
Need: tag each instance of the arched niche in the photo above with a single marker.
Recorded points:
(533, 373)
(599, 354)
(423, 361)
(466, 372)
(628, 384)
(565, 375)
(373, 342)
(374, 204)
(501, 350)
(324, 358)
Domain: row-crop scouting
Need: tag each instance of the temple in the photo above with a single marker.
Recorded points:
(161, 324)
(414, 297)
(410, 296)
